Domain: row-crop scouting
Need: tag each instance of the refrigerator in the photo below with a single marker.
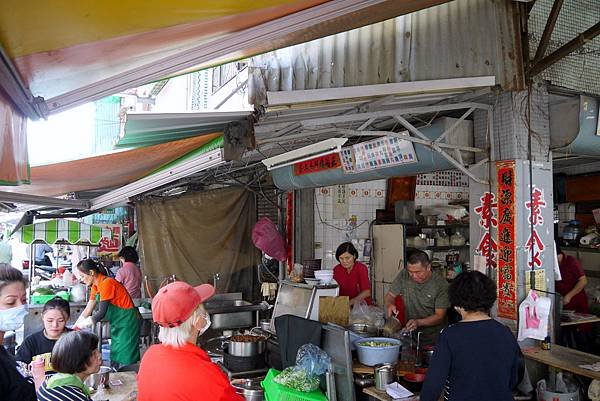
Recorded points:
(387, 258)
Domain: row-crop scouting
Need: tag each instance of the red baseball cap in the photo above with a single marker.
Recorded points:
(175, 302)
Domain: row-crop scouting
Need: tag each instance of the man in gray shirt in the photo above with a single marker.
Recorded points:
(425, 297)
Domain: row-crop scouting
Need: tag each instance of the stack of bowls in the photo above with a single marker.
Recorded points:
(324, 276)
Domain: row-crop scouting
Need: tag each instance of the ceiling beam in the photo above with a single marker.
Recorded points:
(548, 29)
(565, 50)
(43, 200)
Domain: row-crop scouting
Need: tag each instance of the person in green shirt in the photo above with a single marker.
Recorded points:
(425, 297)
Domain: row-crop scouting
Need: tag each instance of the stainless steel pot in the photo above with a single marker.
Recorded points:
(250, 389)
(246, 345)
(385, 373)
(365, 330)
(99, 379)
(364, 380)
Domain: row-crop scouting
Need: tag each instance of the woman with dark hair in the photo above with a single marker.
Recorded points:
(75, 357)
(351, 275)
(129, 274)
(14, 386)
(114, 304)
(55, 315)
(477, 358)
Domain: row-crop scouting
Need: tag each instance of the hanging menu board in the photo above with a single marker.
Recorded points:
(378, 153)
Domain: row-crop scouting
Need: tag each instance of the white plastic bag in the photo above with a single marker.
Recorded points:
(534, 313)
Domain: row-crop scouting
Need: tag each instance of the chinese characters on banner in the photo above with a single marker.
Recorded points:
(487, 246)
(377, 153)
(317, 164)
(507, 272)
(534, 245)
(110, 246)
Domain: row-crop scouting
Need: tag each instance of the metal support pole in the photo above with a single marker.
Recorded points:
(442, 152)
(548, 29)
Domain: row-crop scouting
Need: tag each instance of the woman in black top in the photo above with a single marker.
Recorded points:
(39, 345)
(13, 309)
(478, 358)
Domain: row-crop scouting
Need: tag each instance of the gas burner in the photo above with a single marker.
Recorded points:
(244, 374)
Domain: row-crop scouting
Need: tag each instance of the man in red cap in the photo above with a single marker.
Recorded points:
(177, 369)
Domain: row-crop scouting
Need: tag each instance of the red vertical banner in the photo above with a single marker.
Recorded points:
(507, 271)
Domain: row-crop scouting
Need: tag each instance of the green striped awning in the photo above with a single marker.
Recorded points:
(62, 231)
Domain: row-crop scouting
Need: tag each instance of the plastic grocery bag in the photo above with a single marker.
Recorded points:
(311, 362)
(267, 238)
(362, 313)
(534, 313)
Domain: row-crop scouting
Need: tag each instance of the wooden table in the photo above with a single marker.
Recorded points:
(402, 367)
(564, 358)
(579, 318)
(382, 395)
(118, 393)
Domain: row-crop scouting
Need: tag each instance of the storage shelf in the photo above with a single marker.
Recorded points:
(445, 226)
(441, 248)
(580, 249)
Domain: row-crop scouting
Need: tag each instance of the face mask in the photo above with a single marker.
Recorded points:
(207, 325)
(11, 319)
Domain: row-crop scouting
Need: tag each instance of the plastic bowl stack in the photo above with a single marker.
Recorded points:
(324, 276)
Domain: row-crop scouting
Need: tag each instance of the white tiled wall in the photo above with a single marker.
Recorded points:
(363, 199)
(439, 188)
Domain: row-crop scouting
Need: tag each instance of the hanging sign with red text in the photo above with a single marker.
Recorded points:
(111, 246)
(317, 164)
(507, 271)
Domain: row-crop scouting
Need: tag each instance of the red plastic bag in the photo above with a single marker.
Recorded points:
(266, 238)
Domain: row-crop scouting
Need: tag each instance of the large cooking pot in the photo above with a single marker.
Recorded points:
(250, 389)
(246, 345)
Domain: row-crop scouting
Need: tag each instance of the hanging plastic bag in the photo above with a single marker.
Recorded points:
(311, 363)
(266, 238)
(362, 313)
(534, 313)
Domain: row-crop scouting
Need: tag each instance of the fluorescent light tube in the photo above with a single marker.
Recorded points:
(323, 148)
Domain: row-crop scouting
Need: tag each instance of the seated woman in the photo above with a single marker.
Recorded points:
(55, 315)
(477, 358)
(351, 275)
(75, 357)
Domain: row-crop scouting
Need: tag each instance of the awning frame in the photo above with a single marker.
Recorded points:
(274, 133)
(181, 170)
(215, 51)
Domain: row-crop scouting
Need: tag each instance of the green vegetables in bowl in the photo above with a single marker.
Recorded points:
(377, 344)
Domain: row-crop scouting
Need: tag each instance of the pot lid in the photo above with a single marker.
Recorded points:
(215, 346)
(248, 386)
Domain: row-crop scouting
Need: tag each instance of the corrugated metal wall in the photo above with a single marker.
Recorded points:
(463, 38)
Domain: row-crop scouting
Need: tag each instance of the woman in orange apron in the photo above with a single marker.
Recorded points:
(114, 305)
